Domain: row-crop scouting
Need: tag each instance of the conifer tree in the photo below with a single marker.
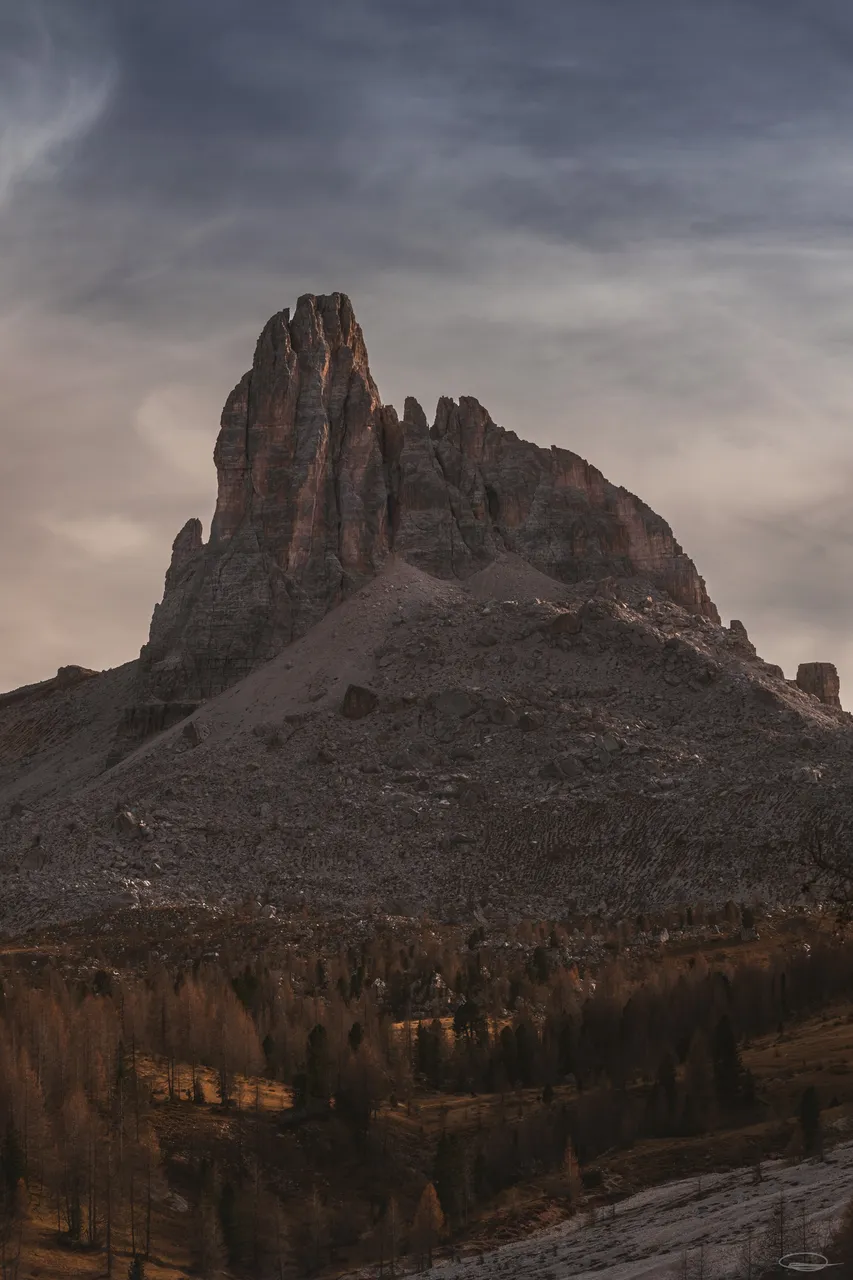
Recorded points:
(810, 1120)
(428, 1225)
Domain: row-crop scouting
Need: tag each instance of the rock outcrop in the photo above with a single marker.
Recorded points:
(65, 678)
(821, 680)
(319, 483)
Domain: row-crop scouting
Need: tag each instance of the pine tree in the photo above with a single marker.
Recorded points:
(13, 1211)
(12, 1161)
(428, 1053)
(450, 1176)
(699, 1085)
(841, 1249)
(810, 1120)
(666, 1078)
(389, 1238)
(318, 1066)
(728, 1069)
(572, 1175)
(428, 1225)
(210, 1256)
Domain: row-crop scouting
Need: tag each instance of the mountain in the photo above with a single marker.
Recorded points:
(319, 483)
(414, 667)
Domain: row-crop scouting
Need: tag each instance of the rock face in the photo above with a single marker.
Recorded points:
(821, 680)
(466, 491)
(319, 483)
(302, 509)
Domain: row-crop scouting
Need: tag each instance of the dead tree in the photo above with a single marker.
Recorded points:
(826, 848)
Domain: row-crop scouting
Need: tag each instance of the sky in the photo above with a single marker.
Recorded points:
(625, 226)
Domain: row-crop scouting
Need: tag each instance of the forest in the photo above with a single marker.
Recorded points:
(301, 1109)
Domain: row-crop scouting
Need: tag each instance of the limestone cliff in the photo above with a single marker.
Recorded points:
(319, 482)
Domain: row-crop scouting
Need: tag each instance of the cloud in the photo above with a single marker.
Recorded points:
(49, 98)
(624, 233)
(176, 422)
(103, 539)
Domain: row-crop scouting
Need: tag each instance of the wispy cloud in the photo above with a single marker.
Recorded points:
(49, 98)
(103, 539)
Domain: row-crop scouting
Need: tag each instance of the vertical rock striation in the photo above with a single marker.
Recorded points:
(318, 482)
(301, 513)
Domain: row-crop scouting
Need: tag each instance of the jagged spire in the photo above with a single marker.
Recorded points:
(318, 483)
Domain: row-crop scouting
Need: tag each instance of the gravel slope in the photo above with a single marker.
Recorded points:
(533, 748)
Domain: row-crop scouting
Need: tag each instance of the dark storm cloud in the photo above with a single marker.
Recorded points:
(624, 226)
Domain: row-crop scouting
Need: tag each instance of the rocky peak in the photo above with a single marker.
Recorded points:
(318, 483)
(301, 512)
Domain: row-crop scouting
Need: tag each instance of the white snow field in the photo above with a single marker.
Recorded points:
(690, 1227)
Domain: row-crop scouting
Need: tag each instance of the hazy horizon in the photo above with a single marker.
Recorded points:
(627, 237)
